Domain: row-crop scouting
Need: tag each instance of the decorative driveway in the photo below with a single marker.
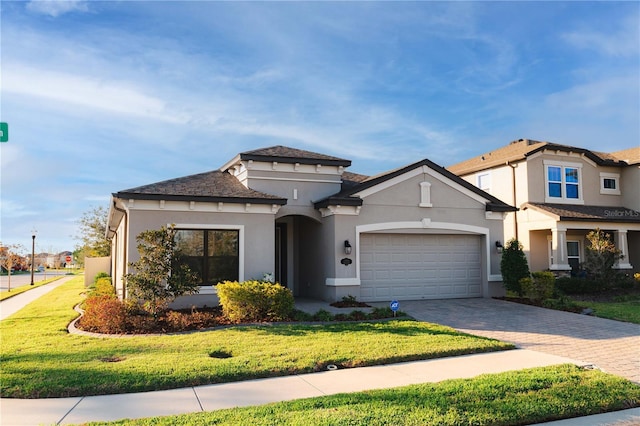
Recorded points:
(612, 346)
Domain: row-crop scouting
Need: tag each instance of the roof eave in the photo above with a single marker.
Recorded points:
(293, 160)
(198, 198)
(338, 201)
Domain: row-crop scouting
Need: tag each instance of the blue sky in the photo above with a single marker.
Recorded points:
(105, 96)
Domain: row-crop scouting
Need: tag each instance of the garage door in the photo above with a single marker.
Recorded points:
(412, 266)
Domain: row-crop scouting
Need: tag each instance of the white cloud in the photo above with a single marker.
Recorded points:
(56, 8)
(14, 209)
(114, 96)
(623, 42)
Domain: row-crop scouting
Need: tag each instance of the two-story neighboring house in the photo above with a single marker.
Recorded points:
(562, 193)
(416, 232)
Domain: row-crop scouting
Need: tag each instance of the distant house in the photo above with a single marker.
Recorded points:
(417, 232)
(562, 192)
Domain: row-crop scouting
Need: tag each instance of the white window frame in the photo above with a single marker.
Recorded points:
(610, 191)
(563, 198)
(550, 251)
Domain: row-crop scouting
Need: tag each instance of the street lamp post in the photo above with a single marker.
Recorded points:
(33, 252)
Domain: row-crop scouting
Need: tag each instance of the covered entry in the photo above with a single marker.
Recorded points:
(420, 266)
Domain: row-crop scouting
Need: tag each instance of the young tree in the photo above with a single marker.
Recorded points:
(601, 254)
(93, 227)
(10, 256)
(513, 266)
(160, 275)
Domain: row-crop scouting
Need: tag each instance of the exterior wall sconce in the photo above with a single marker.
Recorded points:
(499, 247)
(347, 247)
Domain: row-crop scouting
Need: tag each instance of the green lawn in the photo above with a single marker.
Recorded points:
(522, 397)
(38, 358)
(627, 310)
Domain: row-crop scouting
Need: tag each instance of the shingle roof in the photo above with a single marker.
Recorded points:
(347, 195)
(587, 213)
(285, 154)
(520, 149)
(631, 155)
(211, 186)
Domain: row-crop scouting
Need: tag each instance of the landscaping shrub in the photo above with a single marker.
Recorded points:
(102, 287)
(104, 314)
(539, 286)
(100, 275)
(255, 301)
(578, 285)
(601, 255)
(513, 266)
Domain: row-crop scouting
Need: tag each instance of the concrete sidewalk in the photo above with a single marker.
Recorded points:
(256, 392)
(13, 304)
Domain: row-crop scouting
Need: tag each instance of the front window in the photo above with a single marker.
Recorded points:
(213, 254)
(563, 183)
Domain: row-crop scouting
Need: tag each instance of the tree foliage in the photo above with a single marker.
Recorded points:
(10, 257)
(513, 266)
(93, 229)
(601, 254)
(161, 274)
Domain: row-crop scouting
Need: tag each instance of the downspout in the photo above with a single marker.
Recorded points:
(513, 187)
(124, 247)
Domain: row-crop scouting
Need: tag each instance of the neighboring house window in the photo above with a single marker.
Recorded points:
(484, 182)
(573, 255)
(610, 183)
(563, 182)
(211, 253)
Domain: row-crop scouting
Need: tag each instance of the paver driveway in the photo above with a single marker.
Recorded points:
(611, 345)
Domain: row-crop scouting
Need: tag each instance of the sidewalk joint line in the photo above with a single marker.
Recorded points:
(70, 410)
(197, 398)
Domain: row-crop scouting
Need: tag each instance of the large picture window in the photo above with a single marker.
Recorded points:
(563, 183)
(211, 253)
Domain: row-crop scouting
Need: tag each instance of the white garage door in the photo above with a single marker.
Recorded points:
(413, 266)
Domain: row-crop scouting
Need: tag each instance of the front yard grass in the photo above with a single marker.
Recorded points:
(512, 398)
(627, 309)
(39, 358)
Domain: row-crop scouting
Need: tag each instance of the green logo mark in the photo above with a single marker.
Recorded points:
(4, 132)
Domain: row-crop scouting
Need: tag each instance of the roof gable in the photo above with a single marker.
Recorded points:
(210, 186)
(351, 194)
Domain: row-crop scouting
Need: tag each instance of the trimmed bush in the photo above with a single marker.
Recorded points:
(255, 301)
(103, 287)
(104, 314)
(513, 266)
(539, 286)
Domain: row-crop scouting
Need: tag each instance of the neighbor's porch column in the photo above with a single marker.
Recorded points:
(621, 244)
(559, 250)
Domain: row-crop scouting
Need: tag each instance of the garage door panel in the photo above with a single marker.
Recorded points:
(414, 266)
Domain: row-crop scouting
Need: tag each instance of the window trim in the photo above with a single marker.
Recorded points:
(566, 247)
(608, 191)
(214, 227)
(563, 198)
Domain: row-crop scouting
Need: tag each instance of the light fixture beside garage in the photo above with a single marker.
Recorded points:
(347, 247)
(499, 247)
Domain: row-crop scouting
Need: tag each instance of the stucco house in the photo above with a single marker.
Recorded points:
(562, 193)
(417, 232)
